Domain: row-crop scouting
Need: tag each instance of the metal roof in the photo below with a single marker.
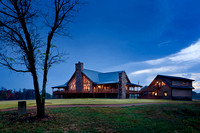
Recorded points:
(100, 78)
(182, 87)
(61, 86)
(175, 78)
(93, 75)
(133, 84)
(109, 77)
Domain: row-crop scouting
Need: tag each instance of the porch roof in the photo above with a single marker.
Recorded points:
(61, 86)
(182, 87)
(133, 84)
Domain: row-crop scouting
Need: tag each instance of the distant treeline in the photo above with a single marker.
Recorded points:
(21, 94)
(195, 95)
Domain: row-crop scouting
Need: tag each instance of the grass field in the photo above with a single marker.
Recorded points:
(14, 104)
(145, 118)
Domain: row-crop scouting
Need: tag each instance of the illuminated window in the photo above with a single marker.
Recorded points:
(72, 85)
(184, 83)
(131, 88)
(156, 93)
(86, 84)
(163, 84)
(99, 86)
(165, 93)
(152, 93)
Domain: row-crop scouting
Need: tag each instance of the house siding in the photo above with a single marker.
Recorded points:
(167, 89)
(181, 93)
(180, 83)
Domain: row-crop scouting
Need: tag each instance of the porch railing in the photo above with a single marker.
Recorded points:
(93, 91)
(85, 91)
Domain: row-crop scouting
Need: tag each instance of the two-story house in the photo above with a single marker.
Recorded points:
(169, 87)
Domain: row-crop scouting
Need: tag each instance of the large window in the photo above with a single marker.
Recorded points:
(73, 84)
(86, 84)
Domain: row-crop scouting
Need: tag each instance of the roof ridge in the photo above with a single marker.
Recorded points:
(113, 72)
(174, 77)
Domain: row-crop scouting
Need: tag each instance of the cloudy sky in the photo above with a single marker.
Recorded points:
(142, 37)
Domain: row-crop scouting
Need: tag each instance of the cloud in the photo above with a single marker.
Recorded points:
(184, 63)
(189, 54)
(164, 43)
(158, 70)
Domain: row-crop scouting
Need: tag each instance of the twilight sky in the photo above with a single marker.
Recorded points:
(142, 37)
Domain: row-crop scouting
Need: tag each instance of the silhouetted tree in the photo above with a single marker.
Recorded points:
(23, 49)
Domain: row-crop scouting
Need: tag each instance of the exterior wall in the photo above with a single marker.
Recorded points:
(181, 93)
(190, 83)
(122, 85)
(91, 87)
(167, 89)
(181, 83)
(168, 81)
(160, 87)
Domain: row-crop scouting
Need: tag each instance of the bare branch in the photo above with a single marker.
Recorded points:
(8, 14)
(9, 65)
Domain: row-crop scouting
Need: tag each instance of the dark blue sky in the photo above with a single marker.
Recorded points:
(109, 35)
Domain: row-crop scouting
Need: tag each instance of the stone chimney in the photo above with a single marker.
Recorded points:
(78, 75)
(79, 66)
(122, 85)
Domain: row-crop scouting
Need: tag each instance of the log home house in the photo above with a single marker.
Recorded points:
(88, 83)
(169, 87)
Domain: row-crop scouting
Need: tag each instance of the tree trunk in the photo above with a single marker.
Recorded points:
(40, 106)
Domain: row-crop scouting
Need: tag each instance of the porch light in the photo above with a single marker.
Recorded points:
(156, 93)
(165, 94)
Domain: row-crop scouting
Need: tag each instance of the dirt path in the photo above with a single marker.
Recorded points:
(86, 105)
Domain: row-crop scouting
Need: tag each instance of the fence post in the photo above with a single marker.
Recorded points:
(21, 107)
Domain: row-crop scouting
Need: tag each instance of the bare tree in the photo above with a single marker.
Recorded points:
(22, 49)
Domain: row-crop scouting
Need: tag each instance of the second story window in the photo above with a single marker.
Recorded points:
(184, 83)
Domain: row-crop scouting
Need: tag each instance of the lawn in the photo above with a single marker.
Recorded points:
(14, 104)
(144, 118)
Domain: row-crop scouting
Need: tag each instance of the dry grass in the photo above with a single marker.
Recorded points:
(14, 103)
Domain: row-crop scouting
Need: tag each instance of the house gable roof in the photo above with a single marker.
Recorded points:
(174, 78)
(112, 77)
(92, 75)
(100, 78)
